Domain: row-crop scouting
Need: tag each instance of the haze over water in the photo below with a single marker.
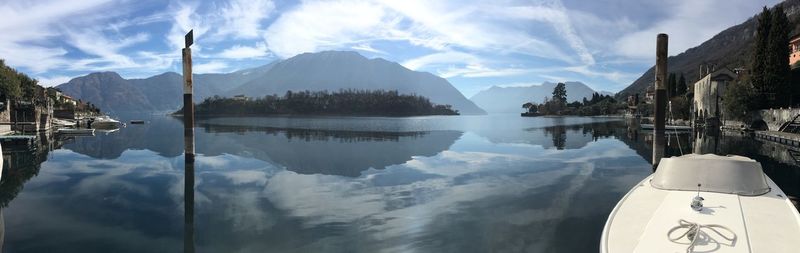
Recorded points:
(496, 183)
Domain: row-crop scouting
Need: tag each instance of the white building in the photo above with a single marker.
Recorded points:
(708, 93)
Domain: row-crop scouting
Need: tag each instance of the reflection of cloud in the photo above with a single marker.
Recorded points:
(408, 210)
(323, 199)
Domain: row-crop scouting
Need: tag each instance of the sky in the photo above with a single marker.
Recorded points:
(605, 44)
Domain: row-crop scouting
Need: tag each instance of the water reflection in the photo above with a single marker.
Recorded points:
(308, 151)
(188, 204)
(537, 187)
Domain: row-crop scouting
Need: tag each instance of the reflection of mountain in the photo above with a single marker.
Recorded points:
(345, 153)
(300, 150)
(163, 135)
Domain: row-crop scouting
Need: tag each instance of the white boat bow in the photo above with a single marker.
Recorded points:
(739, 209)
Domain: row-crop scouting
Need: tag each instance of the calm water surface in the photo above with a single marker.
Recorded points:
(427, 184)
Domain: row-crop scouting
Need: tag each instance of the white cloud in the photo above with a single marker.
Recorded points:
(25, 22)
(53, 80)
(96, 43)
(478, 70)
(242, 18)
(555, 14)
(210, 67)
(320, 25)
(448, 57)
(689, 24)
(368, 48)
(245, 52)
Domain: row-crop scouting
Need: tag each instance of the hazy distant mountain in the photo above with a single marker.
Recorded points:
(510, 99)
(162, 92)
(331, 70)
(335, 70)
(730, 48)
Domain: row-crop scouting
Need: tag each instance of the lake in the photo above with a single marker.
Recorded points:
(497, 183)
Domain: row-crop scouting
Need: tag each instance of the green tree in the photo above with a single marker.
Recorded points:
(681, 85)
(739, 99)
(672, 85)
(559, 100)
(758, 62)
(777, 66)
(560, 93)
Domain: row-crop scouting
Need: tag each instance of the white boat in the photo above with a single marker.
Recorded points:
(704, 203)
(76, 131)
(104, 122)
(63, 122)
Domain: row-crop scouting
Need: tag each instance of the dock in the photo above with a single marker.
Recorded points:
(789, 139)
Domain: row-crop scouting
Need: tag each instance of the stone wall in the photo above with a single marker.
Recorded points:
(776, 118)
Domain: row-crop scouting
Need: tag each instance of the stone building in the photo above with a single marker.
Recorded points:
(708, 94)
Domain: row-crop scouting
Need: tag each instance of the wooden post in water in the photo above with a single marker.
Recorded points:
(188, 103)
(660, 99)
(188, 134)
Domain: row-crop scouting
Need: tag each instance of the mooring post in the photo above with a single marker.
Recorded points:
(188, 134)
(188, 103)
(660, 99)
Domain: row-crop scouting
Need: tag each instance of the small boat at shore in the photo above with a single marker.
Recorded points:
(704, 203)
(64, 122)
(76, 131)
(104, 122)
(137, 122)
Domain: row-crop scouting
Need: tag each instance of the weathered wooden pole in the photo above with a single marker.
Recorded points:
(188, 103)
(660, 99)
(188, 134)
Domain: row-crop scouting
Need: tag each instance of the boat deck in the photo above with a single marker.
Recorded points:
(761, 223)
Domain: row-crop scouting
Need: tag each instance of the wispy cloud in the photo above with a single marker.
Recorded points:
(53, 80)
(468, 42)
(688, 24)
(243, 18)
(245, 52)
(210, 67)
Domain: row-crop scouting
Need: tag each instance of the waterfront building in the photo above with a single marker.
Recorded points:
(708, 94)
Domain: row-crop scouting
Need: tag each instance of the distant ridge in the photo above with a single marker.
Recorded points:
(328, 70)
(510, 99)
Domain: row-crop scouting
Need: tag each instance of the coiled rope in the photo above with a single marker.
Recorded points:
(693, 232)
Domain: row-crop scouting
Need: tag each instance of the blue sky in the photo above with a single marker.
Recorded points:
(474, 44)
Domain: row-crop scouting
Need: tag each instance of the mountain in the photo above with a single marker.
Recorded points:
(730, 48)
(164, 92)
(335, 70)
(330, 70)
(510, 99)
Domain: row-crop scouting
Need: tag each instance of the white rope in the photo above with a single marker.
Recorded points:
(677, 138)
(693, 232)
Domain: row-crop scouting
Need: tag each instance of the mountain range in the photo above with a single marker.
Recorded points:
(328, 70)
(731, 48)
(510, 99)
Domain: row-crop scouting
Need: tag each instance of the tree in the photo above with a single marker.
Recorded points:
(559, 101)
(672, 85)
(527, 106)
(777, 67)
(560, 93)
(738, 99)
(681, 85)
(760, 53)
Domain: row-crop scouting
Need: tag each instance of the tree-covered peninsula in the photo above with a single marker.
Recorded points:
(343, 102)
